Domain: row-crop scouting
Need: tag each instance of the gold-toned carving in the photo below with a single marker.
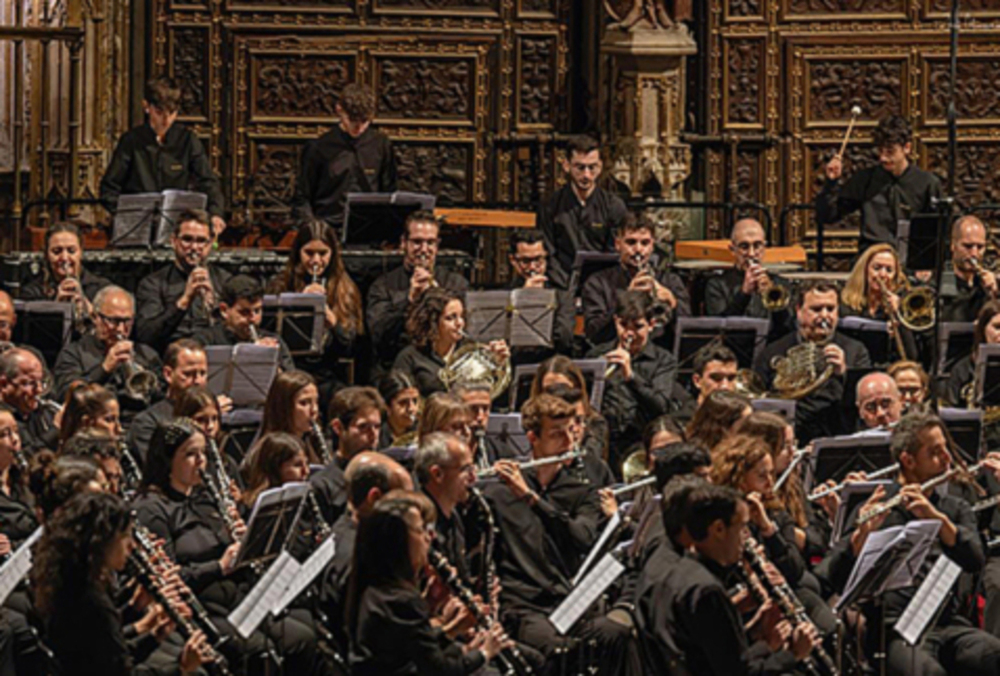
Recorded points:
(744, 104)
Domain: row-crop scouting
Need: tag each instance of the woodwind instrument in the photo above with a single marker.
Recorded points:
(324, 449)
(892, 316)
(541, 462)
(221, 504)
(489, 533)
(322, 526)
(830, 490)
(131, 472)
(634, 486)
(896, 500)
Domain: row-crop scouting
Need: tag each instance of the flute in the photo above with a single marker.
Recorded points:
(540, 462)
(634, 486)
(877, 474)
(896, 500)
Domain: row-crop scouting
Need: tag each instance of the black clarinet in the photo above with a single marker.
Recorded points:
(131, 473)
(322, 528)
(221, 504)
(511, 659)
(324, 448)
(489, 534)
(791, 607)
(145, 572)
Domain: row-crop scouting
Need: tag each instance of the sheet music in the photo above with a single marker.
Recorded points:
(275, 509)
(242, 372)
(601, 541)
(133, 225)
(921, 534)
(607, 570)
(248, 615)
(488, 313)
(17, 566)
(532, 318)
(313, 566)
(924, 605)
(176, 202)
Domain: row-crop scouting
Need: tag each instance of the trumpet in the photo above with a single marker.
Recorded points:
(314, 271)
(540, 462)
(140, 382)
(254, 335)
(425, 260)
(893, 502)
(830, 490)
(774, 297)
(627, 344)
(79, 309)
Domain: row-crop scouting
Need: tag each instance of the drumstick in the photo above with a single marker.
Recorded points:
(855, 111)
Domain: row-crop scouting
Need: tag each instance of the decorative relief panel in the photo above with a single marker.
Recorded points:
(744, 8)
(540, 8)
(273, 172)
(436, 6)
(977, 168)
(745, 84)
(426, 88)
(748, 175)
(189, 49)
(440, 168)
(977, 96)
(836, 85)
(326, 6)
(817, 8)
(298, 86)
(536, 64)
(967, 7)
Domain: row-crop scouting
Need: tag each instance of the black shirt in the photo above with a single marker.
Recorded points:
(84, 360)
(960, 300)
(37, 289)
(38, 430)
(330, 488)
(336, 164)
(890, 350)
(336, 578)
(17, 515)
(140, 164)
(570, 226)
(600, 300)
(424, 365)
(140, 432)
(882, 198)
(388, 302)
(219, 334)
(158, 320)
(724, 297)
(450, 539)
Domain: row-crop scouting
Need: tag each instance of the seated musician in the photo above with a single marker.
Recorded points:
(920, 444)
(63, 276)
(961, 380)
(292, 406)
(436, 326)
(878, 269)
(739, 291)
(913, 383)
(22, 384)
(89, 406)
(201, 407)
(548, 519)
(591, 465)
(582, 215)
(879, 403)
(314, 266)
(561, 370)
(17, 514)
(96, 444)
(477, 396)
(820, 412)
(634, 242)
(717, 418)
(687, 620)
(351, 157)
(715, 368)
(356, 419)
(445, 412)
(109, 357)
(8, 318)
(179, 299)
(967, 284)
(393, 294)
(241, 307)
(403, 403)
(529, 261)
(641, 386)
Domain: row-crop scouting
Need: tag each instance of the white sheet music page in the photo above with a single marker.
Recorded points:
(926, 603)
(17, 566)
(248, 615)
(599, 545)
(313, 566)
(593, 585)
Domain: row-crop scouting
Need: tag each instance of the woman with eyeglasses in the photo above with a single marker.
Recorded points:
(445, 412)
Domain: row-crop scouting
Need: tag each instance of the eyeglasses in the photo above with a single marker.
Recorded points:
(873, 405)
(750, 246)
(530, 260)
(115, 321)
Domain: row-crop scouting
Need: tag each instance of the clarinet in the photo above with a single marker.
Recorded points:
(511, 659)
(130, 468)
(790, 605)
(323, 528)
(145, 573)
(222, 479)
(324, 449)
(221, 504)
(489, 534)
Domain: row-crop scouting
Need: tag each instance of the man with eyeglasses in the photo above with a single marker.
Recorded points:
(738, 291)
(879, 401)
(103, 356)
(391, 294)
(161, 154)
(581, 216)
(22, 385)
(529, 260)
(179, 299)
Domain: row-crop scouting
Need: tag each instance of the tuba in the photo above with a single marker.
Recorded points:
(475, 362)
(803, 369)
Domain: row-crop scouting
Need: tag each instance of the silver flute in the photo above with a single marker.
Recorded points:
(830, 490)
(540, 462)
(254, 335)
(896, 500)
(634, 486)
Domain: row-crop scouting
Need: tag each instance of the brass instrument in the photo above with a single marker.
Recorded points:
(627, 344)
(750, 384)
(978, 266)
(991, 414)
(323, 447)
(660, 312)
(804, 368)
(424, 260)
(916, 308)
(140, 382)
(79, 309)
(475, 363)
(830, 490)
(634, 468)
(892, 316)
(314, 271)
(774, 297)
(890, 504)
(540, 462)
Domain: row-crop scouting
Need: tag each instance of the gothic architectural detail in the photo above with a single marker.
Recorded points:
(821, 7)
(746, 81)
(976, 95)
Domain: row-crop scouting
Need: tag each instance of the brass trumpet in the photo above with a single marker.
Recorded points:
(774, 297)
(424, 260)
(980, 270)
(140, 382)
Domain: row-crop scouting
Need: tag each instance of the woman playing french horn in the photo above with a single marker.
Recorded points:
(961, 385)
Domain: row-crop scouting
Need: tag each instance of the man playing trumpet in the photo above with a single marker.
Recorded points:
(967, 285)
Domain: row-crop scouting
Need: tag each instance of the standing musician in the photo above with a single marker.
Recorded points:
(634, 241)
(739, 291)
(161, 154)
(820, 412)
(179, 299)
(968, 284)
(879, 402)
(109, 357)
(393, 294)
(241, 307)
(580, 216)
(22, 384)
(351, 157)
(921, 445)
(913, 383)
(886, 192)
(402, 406)
(63, 276)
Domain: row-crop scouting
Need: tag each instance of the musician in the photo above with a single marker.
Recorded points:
(292, 406)
(445, 412)
(107, 356)
(580, 216)
(179, 299)
(634, 241)
(351, 157)
(315, 266)
(684, 611)
(184, 366)
(819, 413)
(716, 418)
(715, 368)
(478, 397)
(739, 291)
(548, 520)
(884, 193)
(280, 458)
(63, 276)
(879, 401)
(8, 318)
(961, 380)
(561, 370)
(17, 516)
(199, 405)
(393, 294)
(21, 388)
(912, 382)
(403, 404)
(967, 285)
(241, 306)
(920, 444)
(529, 261)
(98, 445)
(356, 420)
(90, 406)
(84, 545)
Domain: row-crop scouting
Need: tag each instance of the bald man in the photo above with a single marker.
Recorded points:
(965, 289)
(879, 401)
(8, 318)
(736, 292)
(21, 385)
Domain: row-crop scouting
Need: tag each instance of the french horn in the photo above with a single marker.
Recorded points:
(474, 363)
(803, 369)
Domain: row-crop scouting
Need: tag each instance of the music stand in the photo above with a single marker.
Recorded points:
(146, 220)
(593, 375)
(745, 336)
(785, 408)
(375, 219)
(506, 431)
(45, 325)
(587, 263)
(836, 457)
(272, 523)
(852, 496)
(242, 372)
(955, 339)
(241, 429)
(916, 240)
(966, 429)
(987, 378)
(300, 320)
(873, 334)
(522, 317)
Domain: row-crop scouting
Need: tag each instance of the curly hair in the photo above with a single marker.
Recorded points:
(273, 450)
(855, 292)
(735, 457)
(69, 558)
(54, 480)
(357, 102)
(893, 130)
(715, 418)
(423, 317)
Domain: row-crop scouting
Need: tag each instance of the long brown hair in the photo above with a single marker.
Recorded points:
(48, 276)
(280, 404)
(735, 457)
(273, 450)
(342, 293)
(770, 429)
(83, 400)
(715, 418)
(563, 366)
(439, 410)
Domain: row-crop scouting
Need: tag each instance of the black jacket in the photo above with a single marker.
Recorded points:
(961, 301)
(84, 359)
(36, 289)
(158, 320)
(424, 365)
(140, 431)
(569, 226)
(140, 164)
(330, 488)
(724, 297)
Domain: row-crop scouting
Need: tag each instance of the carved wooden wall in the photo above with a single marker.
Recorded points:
(794, 69)
(260, 77)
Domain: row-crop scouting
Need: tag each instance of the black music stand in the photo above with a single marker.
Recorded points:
(917, 239)
(966, 429)
(506, 432)
(300, 320)
(45, 325)
(873, 334)
(593, 375)
(852, 497)
(242, 427)
(784, 408)
(835, 457)
(745, 336)
(377, 219)
(987, 378)
(147, 220)
(272, 523)
(955, 339)
(586, 264)
(243, 372)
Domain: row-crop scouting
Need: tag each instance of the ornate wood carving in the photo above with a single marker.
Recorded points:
(976, 97)
(437, 6)
(438, 168)
(426, 88)
(191, 70)
(291, 87)
(835, 86)
(744, 8)
(536, 58)
(745, 105)
(977, 168)
(814, 7)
